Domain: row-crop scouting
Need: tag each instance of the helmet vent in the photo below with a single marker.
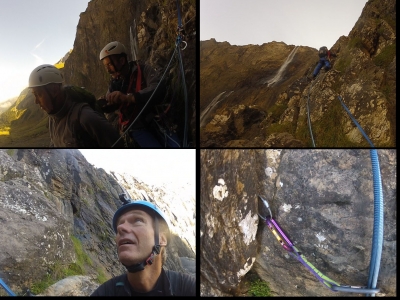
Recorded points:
(113, 47)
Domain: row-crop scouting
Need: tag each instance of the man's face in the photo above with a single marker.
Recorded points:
(112, 64)
(135, 237)
(42, 98)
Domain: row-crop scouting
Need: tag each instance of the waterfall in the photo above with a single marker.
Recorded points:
(278, 75)
(206, 112)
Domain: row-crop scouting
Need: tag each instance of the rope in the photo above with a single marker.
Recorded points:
(308, 115)
(148, 101)
(308, 109)
(8, 290)
(178, 42)
(185, 131)
(377, 241)
(377, 238)
(348, 112)
(355, 122)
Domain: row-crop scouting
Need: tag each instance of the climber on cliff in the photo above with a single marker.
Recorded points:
(130, 90)
(71, 124)
(324, 59)
(142, 234)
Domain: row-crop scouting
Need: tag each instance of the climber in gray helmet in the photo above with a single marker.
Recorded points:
(71, 124)
(134, 92)
(142, 234)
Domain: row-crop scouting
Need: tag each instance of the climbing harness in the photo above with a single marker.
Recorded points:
(377, 239)
(355, 122)
(7, 289)
(178, 47)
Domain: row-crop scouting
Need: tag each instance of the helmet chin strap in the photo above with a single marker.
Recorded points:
(156, 250)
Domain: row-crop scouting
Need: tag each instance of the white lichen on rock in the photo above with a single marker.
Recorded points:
(248, 226)
(286, 207)
(320, 237)
(220, 191)
(247, 266)
(210, 224)
(268, 171)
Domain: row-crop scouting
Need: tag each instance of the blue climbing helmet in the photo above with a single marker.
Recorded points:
(130, 204)
(152, 210)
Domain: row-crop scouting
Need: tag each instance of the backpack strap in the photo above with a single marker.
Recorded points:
(138, 80)
(138, 88)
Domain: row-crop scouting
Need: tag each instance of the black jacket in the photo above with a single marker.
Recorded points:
(172, 284)
(149, 82)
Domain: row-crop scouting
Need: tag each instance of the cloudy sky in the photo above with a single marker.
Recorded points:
(34, 32)
(175, 167)
(312, 23)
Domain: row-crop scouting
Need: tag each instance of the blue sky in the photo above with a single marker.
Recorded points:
(312, 23)
(34, 32)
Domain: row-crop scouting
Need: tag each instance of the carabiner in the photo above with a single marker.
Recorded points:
(261, 217)
(266, 205)
(183, 48)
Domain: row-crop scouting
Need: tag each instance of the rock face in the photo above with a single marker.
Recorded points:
(72, 286)
(105, 21)
(229, 220)
(323, 200)
(251, 95)
(53, 201)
